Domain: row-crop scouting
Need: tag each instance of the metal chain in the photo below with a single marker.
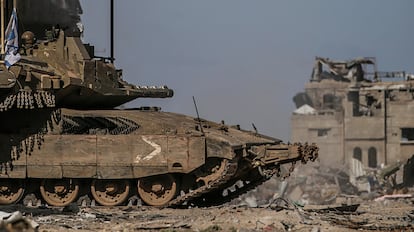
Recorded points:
(28, 100)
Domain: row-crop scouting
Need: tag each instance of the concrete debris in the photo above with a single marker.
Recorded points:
(334, 209)
(394, 196)
(16, 222)
(281, 215)
(251, 201)
(334, 186)
(89, 216)
(162, 224)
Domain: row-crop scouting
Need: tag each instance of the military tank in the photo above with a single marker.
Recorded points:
(62, 136)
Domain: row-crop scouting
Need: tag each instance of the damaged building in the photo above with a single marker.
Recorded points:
(359, 117)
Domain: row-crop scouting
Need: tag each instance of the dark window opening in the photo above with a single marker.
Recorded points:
(328, 101)
(407, 134)
(331, 101)
(322, 132)
(353, 96)
(357, 154)
(372, 157)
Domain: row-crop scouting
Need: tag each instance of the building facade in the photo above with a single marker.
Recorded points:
(353, 112)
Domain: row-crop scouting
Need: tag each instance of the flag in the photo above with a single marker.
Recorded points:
(12, 41)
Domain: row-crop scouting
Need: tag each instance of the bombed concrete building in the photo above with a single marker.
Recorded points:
(356, 114)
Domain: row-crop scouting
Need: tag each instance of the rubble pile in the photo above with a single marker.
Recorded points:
(375, 216)
(301, 187)
(280, 214)
(319, 185)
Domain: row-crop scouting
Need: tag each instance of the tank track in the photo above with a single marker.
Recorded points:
(214, 189)
(217, 197)
(212, 193)
(240, 191)
(309, 153)
(235, 190)
(229, 171)
(222, 183)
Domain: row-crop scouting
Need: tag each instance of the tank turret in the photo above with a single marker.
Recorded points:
(62, 71)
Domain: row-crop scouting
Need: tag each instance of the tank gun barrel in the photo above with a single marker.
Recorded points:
(151, 92)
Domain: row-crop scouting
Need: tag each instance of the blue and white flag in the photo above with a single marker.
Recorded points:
(12, 41)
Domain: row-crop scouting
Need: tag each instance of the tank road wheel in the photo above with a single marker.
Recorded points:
(110, 192)
(157, 190)
(11, 191)
(60, 192)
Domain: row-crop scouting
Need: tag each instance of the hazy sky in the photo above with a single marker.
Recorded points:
(244, 60)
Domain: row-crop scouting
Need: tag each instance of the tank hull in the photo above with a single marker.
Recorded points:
(148, 149)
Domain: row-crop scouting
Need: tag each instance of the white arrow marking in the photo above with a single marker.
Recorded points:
(151, 155)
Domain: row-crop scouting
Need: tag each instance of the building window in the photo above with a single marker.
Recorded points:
(372, 157)
(319, 132)
(357, 154)
(328, 101)
(322, 132)
(407, 134)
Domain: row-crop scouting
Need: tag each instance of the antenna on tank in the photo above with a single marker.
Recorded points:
(112, 30)
(254, 128)
(198, 116)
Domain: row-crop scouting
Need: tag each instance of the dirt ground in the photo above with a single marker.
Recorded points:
(309, 201)
(388, 215)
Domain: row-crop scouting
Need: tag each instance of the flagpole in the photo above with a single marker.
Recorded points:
(2, 27)
(12, 40)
